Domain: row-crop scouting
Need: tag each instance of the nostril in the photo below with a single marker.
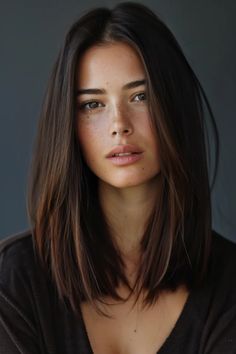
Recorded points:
(124, 131)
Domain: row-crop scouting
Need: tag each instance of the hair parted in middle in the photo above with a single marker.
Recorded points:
(70, 231)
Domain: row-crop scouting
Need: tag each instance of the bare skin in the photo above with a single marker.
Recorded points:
(127, 212)
(134, 331)
(127, 193)
(120, 116)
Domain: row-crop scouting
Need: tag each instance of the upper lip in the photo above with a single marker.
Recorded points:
(124, 148)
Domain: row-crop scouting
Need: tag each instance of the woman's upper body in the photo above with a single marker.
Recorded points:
(33, 320)
(119, 204)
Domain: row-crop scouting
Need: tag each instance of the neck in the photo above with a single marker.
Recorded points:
(127, 211)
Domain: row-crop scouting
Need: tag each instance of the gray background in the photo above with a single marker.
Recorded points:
(31, 33)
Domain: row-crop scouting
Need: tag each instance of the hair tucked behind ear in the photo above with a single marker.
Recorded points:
(69, 229)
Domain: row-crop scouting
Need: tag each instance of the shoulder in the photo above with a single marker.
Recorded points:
(223, 251)
(21, 272)
(223, 270)
(216, 303)
(18, 267)
(15, 242)
(16, 252)
(18, 274)
(26, 302)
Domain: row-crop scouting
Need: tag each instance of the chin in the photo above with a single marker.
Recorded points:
(123, 185)
(127, 182)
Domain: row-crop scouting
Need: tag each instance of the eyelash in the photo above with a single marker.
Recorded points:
(83, 105)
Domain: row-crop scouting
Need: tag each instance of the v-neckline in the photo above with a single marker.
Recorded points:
(173, 334)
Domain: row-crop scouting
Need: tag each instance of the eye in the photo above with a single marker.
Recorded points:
(89, 106)
(141, 97)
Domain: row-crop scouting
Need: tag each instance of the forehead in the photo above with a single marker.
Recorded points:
(114, 61)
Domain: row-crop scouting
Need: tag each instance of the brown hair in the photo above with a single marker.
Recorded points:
(69, 228)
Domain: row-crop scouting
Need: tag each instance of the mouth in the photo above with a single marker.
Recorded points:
(124, 150)
(125, 158)
(125, 154)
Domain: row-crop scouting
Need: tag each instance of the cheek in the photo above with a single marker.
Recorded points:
(90, 138)
(145, 129)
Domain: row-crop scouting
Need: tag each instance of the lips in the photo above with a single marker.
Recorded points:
(124, 149)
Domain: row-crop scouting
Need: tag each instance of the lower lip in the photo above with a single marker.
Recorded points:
(125, 160)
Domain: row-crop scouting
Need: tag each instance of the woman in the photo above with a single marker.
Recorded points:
(121, 257)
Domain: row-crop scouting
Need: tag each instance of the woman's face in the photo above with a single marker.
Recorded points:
(112, 112)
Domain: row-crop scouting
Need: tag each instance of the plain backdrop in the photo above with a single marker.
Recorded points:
(31, 33)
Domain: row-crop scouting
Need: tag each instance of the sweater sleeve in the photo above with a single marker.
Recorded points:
(17, 333)
(222, 340)
(18, 323)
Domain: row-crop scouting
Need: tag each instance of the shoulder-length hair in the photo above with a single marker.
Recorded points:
(68, 226)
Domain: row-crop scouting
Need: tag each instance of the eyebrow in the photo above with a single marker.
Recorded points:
(96, 91)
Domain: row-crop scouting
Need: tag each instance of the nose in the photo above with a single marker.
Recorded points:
(121, 124)
(121, 131)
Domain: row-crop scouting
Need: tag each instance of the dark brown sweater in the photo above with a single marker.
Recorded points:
(32, 319)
